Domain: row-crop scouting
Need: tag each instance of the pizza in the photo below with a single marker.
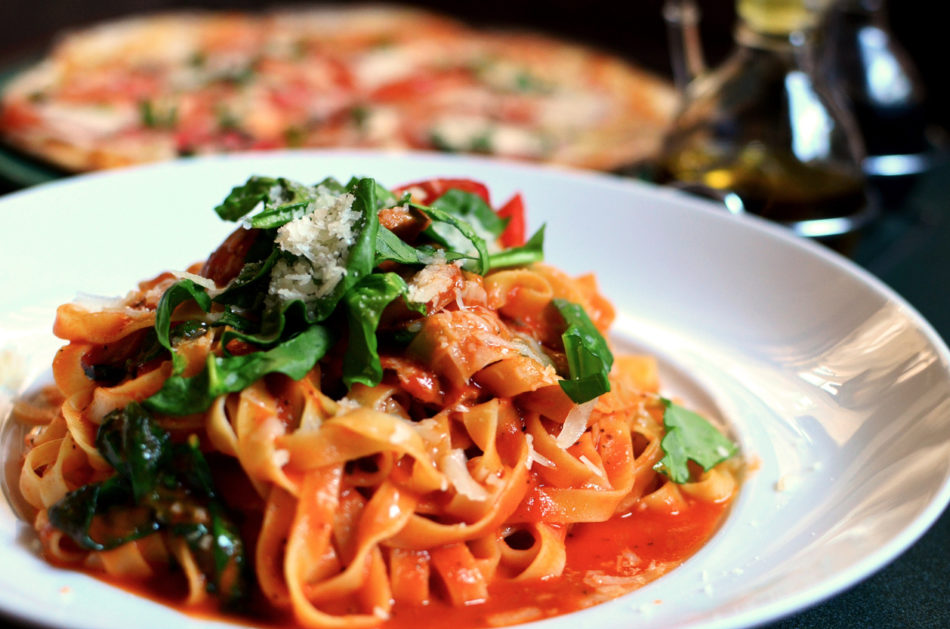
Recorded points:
(160, 86)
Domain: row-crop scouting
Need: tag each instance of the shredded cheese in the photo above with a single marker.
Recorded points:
(596, 471)
(575, 424)
(319, 243)
(453, 465)
(534, 456)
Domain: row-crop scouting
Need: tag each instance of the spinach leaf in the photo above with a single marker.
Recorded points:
(157, 486)
(689, 437)
(364, 305)
(247, 289)
(244, 198)
(334, 186)
(109, 502)
(362, 255)
(588, 357)
(181, 291)
(384, 198)
(391, 248)
(528, 253)
(472, 209)
(272, 218)
(228, 374)
(450, 240)
(135, 446)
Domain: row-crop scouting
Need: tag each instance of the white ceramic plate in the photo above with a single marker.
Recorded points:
(838, 391)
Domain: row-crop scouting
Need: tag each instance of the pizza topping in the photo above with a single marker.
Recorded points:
(192, 83)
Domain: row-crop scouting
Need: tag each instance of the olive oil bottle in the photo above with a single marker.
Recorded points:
(763, 127)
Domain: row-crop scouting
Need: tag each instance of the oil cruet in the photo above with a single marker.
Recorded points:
(761, 131)
(859, 54)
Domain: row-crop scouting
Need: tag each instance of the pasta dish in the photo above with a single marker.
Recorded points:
(366, 408)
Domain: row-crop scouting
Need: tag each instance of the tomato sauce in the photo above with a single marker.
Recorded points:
(640, 545)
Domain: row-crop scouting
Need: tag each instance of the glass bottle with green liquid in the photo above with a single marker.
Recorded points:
(760, 130)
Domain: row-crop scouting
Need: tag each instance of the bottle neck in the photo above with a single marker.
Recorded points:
(792, 43)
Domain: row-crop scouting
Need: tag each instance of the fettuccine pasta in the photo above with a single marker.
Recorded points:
(367, 408)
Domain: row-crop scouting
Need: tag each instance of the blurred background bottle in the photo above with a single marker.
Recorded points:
(860, 55)
(763, 125)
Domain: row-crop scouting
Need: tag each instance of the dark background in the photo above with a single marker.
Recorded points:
(914, 591)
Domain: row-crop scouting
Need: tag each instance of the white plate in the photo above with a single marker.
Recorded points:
(836, 387)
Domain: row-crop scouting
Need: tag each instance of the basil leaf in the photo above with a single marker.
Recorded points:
(588, 357)
(176, 294)
(481, 263)
(242, 199)
(228, 374)
(364, 306)
(689, 437)
(472, 209)
(528, 253)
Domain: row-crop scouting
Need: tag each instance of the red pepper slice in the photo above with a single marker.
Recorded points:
(513, 210)
(432, 189)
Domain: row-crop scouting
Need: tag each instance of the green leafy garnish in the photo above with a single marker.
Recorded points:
(229, 374)
(449, 238)
(391, 248)
(588, 357)
(528, 253)
(244, 198)
(175, 295)
(158, 485)
(364, 307)
(689, 437)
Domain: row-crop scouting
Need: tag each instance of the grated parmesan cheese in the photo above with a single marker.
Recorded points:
(319, 242)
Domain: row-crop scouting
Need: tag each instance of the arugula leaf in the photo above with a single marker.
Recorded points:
(364, 305)
(181, 291)
(689, 437)
(481, 263)
(588, 357)
(528, 253)
(244, 198)
(228, 374)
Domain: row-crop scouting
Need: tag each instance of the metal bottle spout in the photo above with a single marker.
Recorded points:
(686, 49)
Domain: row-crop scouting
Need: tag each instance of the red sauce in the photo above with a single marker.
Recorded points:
(646, 543)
